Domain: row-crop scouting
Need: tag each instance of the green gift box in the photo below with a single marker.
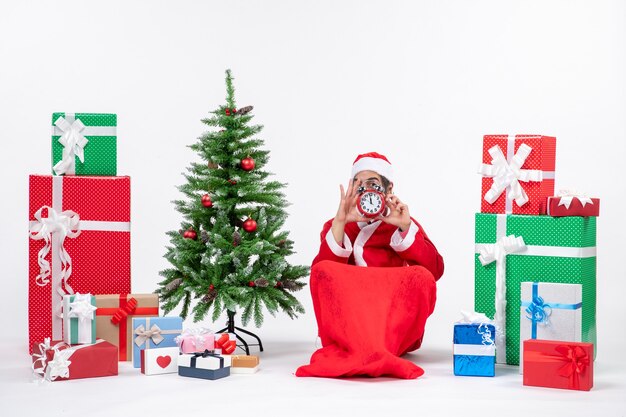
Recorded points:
(511, 249)
(84, 144)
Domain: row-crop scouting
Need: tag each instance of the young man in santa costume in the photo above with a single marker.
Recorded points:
(368, 317)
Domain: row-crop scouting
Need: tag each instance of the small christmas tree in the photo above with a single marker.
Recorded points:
(230, 253)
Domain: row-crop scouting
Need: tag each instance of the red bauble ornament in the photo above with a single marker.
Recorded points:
(278, 284)
(251, 284)
(227, 111)
(206, 201)
(211, 287)
(233, 182)
(234, 111)
(247, 164)
(249, 225)
(190, 234)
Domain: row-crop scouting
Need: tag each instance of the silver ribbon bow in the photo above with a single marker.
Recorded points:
(143, 335)
(73, 143)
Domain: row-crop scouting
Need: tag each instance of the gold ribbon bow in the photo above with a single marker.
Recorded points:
(143, 335)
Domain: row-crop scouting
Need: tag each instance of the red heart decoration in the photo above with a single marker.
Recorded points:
(163, 361)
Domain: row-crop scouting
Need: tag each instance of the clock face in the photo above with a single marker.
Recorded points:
(371, 203)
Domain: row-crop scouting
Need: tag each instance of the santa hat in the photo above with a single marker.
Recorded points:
(373, 161)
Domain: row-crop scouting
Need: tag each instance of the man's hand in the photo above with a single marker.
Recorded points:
(398, 213)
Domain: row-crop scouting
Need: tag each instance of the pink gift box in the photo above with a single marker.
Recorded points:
(196, 340)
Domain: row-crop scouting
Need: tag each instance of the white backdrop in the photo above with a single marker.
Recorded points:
(420, 82)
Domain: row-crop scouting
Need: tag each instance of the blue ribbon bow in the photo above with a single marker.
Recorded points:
(538, 311)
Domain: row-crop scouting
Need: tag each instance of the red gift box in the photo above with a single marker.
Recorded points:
(558, 364)
(79, 242)
(518, 173)
(569, 205)
(57, 361)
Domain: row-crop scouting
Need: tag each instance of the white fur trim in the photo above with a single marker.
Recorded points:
(398, 244)
(378, 165)
(363, 236)
(335, 248)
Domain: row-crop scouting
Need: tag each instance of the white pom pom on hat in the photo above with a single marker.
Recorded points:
(373, 161)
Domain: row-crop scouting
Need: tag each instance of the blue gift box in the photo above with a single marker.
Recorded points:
(205, 365)
(474, 349)
(153, 332)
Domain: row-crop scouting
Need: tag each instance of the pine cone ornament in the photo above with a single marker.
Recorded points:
(210, 295)
(281, 243)
(236, 238)
(245, 110)
(213, 165)
(173, 284)
(204, 236)
(261, 282)
(290, 285)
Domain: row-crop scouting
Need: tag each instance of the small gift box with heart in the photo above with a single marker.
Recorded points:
(474, 346)
(225, 343)
(194, 340)
(206, 365)
(154, 332)
(518, 173)
(159, 361)
(558, 364)
(550, 311)
(56, 360)
(572, 203)
(84, 144)
(79, 320)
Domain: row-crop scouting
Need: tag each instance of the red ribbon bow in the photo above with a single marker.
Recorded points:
(123, 312)
(228, 346)
(576, 360)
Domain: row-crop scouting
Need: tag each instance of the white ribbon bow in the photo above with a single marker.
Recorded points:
(73, 143)
(82, 308)
(64, 224)
(497, 253)
(508, 175)
(143, 335)
(58, 367)
(568, 195)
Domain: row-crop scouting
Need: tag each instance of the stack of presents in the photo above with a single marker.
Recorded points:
(82, 317)
(535, 271)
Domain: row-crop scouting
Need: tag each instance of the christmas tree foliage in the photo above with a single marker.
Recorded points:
(230, 253)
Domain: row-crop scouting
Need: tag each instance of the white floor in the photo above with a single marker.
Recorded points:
(275, 391)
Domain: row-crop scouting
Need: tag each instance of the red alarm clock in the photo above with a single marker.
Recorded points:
(371, 201)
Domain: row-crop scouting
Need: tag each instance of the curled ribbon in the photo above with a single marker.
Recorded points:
(497, 253)
(73, 143)
(64, 224)
(81, 307)
(538, 311)
(122, 313)
(576, 361)
(567, 196)
(507, 174)
(143, 335)
(202, 338)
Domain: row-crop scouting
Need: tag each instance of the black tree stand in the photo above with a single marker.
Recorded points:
(231, 328)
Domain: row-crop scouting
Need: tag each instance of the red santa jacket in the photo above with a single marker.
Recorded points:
(380, 244)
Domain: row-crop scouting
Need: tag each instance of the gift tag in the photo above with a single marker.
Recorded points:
(159, 361)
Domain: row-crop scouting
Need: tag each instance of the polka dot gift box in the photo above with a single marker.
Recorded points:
(79, 243)
(513, 249)
(84, 144)
(518, 173)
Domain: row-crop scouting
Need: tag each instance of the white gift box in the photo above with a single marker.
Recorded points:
(159, 361)
(550, 311)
